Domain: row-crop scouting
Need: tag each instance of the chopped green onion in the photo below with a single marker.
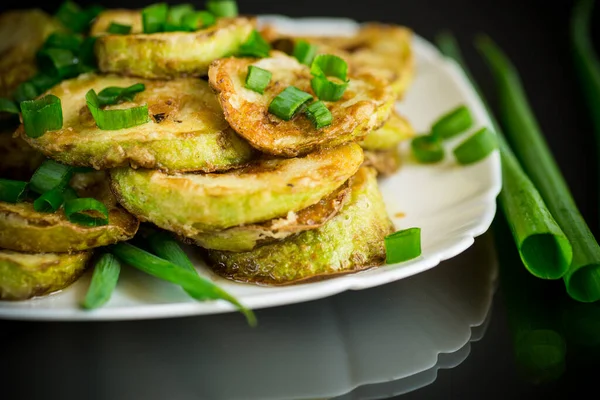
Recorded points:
(255, 46)
(119, 29)
(115, 95)
(197, 20)
(8, 106)
(43, 82)
(115, 119)
(258, 79)
(66, 41)
(25, 91)
(328, 90)
(427, 149)
(50, 175)
(78, 211)
(50, 201)
(74, 18)
(305, 52)
(324, 66)
(476, 147)
(12, 191)
(452, 123)
(222, 8)
(87, 56)
(59, 63)
(69, 193)
(82, 170)
(154, 17)
(582, 280)
(42, 115)
(319, 114)
(103, 283)
(403, 245)
(175, 17)
(288, 102)
(198, 287)
(543, 247)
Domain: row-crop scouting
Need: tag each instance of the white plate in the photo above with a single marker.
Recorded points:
(451, 204)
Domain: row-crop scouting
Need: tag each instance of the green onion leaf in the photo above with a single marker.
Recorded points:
(319, 114)
(43, 82)
(403, 245)
(50, 175)
(165, 246)
(12, 191)
(288, 102)
(50, 201)
(42, 115)
(119, 29)
(255, 46)
(476, 148)
(197, 20)
(115, 95)
(66, 41)
(87, 56)
(175, 17)
(222, 8)
(8, 106)
(86, 211)
(154, 17)
(58, 63)
(452, 123)
(25, 91)
(103, 283)
(258, 79)
(582, 280)
(198, 287)
(305, 52)
(115, 119)
(324, 66)
(427, 149)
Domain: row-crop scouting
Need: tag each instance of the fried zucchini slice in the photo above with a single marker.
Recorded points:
(167, 54)
(19, 160)
(247, 237)
(23, 32)
(395, 130)
(191, 203)
(386, 162)
(353, 240)
(366, 105)
(23, 276)
(186, 132)
(24, 229)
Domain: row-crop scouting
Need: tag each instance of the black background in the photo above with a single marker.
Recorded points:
(534, 33)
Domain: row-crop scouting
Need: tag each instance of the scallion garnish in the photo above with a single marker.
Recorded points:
(43, 82)
(59, 63)
(583, 276)
(41, 115)
(305, 52)
(115, 95)
(476, 147)
(115, 119)
(86, 211)
(258, 79)
(50, 175)
(197, 20)
(103, 283)
(255, 46)
(87, 57)
(165, 246)
(222, 8)
(319, 114)
(198, 287)
(119, 29)
(60, 40)
(12, 191)
(50, 201)
(8, 106)
(175, 16)
(75, 18)
(427, 149)
(25, 91)
(154, 17)
(452, 123)
(288, 102)
(324, 66)
(403, 245)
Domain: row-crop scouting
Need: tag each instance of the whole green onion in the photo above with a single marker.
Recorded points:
(198, 287)
(305, 52)
(583, 277)
(165, 246)
(50, 201)
(12, 191)
(287, 103)
(403, 245)
(452, 123)
(78, 211)
(476, 147)
(8, 106)
(103, 283)
(427, 149)
(254, 46)
(543, 247)
(119, 29)
(115, 95)
(50, 175)
(319, 114)
(115, 119)
(41, 115)
(257, 79)
(154, 17)
(222, 8)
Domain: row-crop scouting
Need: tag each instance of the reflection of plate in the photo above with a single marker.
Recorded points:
(317, 349)
(451, 205)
